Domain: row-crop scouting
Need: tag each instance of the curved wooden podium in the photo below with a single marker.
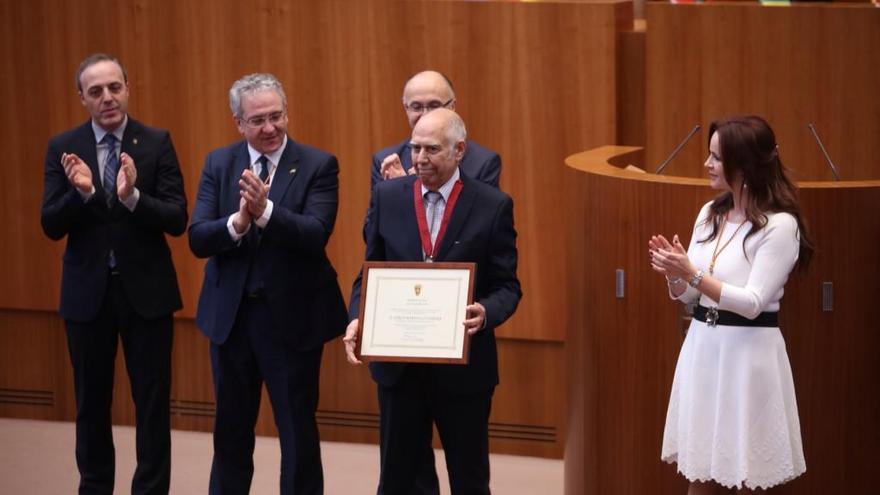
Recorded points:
(621, 351)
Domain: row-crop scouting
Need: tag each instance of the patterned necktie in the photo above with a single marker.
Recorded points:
(432, 211)
(264, 168)
(111, 166)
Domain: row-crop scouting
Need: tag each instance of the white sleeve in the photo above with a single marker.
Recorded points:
(235, 236)
(775, 256)
(267, 214)
(691, 294)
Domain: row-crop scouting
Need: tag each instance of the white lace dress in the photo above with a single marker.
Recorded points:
(732, 414)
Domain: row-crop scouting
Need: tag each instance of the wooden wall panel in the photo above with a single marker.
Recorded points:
(527, 413)
(35, 376)
(524, 75)
(526, 81)
(631, 86)
(805, 63)
(621, 364)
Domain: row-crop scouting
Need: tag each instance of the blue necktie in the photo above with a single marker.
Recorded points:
(111, 166)
(254, 280)
(264, 168)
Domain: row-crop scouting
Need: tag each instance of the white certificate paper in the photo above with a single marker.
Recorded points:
(415, 311)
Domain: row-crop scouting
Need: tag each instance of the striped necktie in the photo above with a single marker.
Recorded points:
(111, 166)
(432, 211)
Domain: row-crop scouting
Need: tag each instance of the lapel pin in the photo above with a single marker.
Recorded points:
(292, 171)
(134, 141)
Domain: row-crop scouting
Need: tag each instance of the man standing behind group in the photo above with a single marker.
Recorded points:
(270, 300)
(113, 187)
(477, 228)
(424, 92)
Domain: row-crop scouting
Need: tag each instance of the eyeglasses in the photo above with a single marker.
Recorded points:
(430, 149)
(260, 120)
(419, 107)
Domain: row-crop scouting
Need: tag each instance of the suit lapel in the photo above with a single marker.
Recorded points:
(130, 145)
(285, 173)
(406, 156)
(131, 140)
(408, 212)
(458, 219)
(241, 161)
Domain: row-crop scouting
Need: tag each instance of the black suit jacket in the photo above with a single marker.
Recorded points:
(300, 284)
(478, 162)
(93, 229)
(480, 230)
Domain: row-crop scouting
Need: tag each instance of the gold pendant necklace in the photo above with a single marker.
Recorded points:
(717, 251)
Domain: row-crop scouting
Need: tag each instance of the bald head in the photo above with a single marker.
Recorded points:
(438, 145)
(424, 92)
(447, 123)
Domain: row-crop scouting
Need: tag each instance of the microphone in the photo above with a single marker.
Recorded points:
(677, 149)
(822, 147)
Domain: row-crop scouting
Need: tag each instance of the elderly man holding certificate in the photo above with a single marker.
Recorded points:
(436, 218)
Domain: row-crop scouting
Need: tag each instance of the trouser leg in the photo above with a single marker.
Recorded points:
(147, 346)
(237, 390)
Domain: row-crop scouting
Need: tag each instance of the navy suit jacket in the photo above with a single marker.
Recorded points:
(93, 229)
(300, 284)
(480, 230)
(478, 162)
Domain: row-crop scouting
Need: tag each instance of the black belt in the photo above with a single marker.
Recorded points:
(714, 316)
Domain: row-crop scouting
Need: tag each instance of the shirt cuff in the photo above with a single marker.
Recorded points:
(87, 195)
(232, 233)
(264, 218)
(132, 200)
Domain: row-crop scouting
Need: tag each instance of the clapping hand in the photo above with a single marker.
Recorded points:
(669, 259)
(391, 167)
(126, 177)
(78, 173)
(255, 192)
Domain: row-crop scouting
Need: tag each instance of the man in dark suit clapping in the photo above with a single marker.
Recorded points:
(113, 187)
(264, 213)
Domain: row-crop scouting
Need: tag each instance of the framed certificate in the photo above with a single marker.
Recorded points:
(414, 312)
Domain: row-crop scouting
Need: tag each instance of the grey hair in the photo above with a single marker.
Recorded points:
(250, 84)
(455, 129)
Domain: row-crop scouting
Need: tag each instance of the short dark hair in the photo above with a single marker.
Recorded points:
(94, 59)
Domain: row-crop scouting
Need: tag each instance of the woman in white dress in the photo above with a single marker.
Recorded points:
(732, 423)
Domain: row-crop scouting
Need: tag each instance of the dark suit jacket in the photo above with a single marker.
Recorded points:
(478, 162)
(137, 238)
(300, 284)
(480, 230)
